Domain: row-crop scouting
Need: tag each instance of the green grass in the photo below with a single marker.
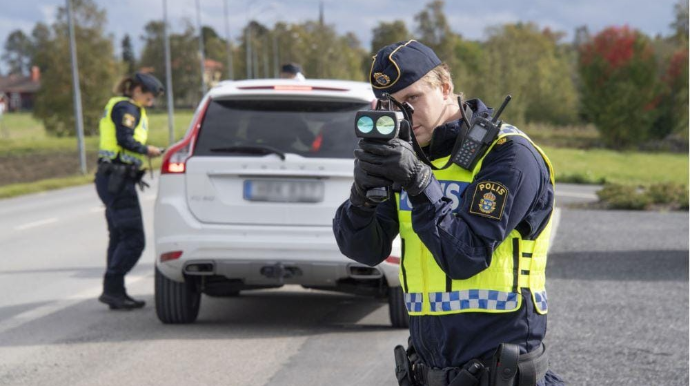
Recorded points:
(632, 168)
(13, 190)
(22, 134)
(572, 136)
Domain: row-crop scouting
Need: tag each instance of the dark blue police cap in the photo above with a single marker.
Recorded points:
(398, 65)
(149, 83)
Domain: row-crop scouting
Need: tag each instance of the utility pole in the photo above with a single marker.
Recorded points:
(275, 55)
(77, 93)
(266, 57)
(231, 74)
(248, 50)
(168, 76)
(201, 47)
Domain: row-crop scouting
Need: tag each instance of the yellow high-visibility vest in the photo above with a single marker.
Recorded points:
(516, 263)
(109, 148)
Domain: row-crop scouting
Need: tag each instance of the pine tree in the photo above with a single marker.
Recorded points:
(128, 54)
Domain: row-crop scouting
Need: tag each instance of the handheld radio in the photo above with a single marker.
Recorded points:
(480, 136)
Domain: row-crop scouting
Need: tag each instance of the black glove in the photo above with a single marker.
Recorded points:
(363, 182)
(397, 161)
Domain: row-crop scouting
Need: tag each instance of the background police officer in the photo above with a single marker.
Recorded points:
(123, 134)
(474, 241)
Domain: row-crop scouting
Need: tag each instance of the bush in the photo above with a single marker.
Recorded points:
(620, 86)
(661, 196)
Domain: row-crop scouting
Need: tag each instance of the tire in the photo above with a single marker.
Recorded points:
(176, 303)
(396, 308)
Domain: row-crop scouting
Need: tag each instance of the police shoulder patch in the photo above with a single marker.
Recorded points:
(128, 120)
(489, 199)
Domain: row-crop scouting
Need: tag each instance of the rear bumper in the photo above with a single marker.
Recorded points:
(242, 251)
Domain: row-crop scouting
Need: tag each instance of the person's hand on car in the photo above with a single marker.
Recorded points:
(153, 151)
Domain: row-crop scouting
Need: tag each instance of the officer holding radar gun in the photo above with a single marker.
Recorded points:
(123, 134)
(471, 198)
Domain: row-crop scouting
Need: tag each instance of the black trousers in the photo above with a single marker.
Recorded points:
(126, 231)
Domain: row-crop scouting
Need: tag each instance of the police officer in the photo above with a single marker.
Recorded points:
(123, 133)
(291, 71)
(474, 242)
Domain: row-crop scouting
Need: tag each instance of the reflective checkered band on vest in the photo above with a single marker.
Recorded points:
(473, 300)
(413, 302)
(509, 129)
(107, 154)
(540, 301)
(130, 160)
(123, 157)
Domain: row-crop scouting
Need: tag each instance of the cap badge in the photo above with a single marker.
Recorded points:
(381, 78)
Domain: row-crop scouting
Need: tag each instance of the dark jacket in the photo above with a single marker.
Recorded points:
(462, 244)
(125, 134)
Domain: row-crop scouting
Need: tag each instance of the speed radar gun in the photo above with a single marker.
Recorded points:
(390, 119)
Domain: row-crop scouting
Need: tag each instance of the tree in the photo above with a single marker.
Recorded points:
(128, 54)
(18, 53)
(680, 24)
(184, 49)
(527, 63)
(97, 70)
(434, 31)
(215, 47)
(463, 57)
(388, 33)
(41, 37)
(620, 87)
(673, 106)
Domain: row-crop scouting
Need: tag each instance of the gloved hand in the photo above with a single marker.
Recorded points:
(363, 182)
(395, 160)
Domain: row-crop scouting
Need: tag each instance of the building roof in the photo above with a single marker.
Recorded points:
(19, 83)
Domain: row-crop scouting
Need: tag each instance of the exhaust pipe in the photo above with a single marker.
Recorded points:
(362, 272)
(200, 269)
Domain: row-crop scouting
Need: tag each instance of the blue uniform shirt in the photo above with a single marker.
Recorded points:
(125, 134)
(462, 244)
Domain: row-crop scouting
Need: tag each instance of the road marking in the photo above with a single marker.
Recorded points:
(555, 220)
(45, 310)
(97, 209)
(150, 197)
(591, 196)
(36, 224)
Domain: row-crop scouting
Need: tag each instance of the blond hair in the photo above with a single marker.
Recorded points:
(438, 76)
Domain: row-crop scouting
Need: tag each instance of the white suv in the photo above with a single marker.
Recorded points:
(246, 200)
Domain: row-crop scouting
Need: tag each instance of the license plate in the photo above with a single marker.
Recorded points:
(307, 191)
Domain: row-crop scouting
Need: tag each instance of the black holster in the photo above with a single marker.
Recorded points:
(506, 368)
(403, 367)
(119, 174)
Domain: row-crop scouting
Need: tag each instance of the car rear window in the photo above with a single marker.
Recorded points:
(317, 129)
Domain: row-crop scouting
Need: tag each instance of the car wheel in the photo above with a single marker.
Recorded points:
(176, 303)
(396, 308)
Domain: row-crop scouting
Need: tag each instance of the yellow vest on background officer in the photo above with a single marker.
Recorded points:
(122, 151)
(109, 147)
(474, 242)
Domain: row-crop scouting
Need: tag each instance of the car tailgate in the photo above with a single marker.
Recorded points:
(267, 190)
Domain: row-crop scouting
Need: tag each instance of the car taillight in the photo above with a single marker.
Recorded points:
(174, 255)
(393, 260)
(175, 158)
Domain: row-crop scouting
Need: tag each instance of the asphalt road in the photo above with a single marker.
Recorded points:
(618, 293)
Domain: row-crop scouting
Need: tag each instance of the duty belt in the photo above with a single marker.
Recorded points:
(506, 368)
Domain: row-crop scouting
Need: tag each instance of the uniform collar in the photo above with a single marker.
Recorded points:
(443, 138)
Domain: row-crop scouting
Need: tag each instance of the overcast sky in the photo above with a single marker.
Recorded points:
(468, 18)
